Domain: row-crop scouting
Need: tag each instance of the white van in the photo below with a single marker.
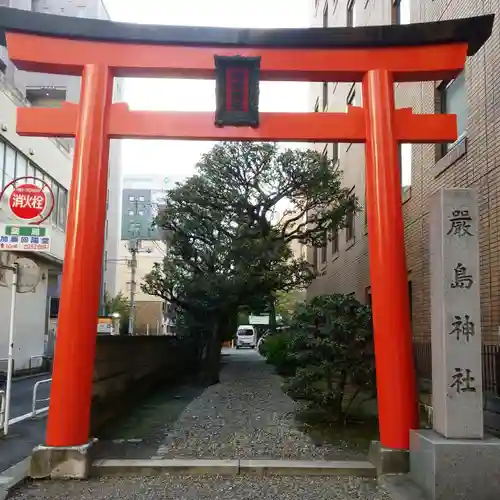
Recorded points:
(246, 336)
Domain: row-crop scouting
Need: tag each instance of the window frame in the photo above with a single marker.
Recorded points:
(351, 14)
(351, 96)
(442, 90)
(323, 250)
(335, 242)
(350, 228)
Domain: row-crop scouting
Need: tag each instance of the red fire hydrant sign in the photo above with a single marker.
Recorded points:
(31, 201)
(27, 201)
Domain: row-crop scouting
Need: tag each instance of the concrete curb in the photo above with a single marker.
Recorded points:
(14, 475)
(154, 467)
(28, 377)
(307, 468)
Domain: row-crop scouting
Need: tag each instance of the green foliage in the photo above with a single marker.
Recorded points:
(118, 304)
(277, 349)
(226, 250)
(333, 346)
(287, 303)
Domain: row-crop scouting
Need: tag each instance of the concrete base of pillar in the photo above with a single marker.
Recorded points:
(388, 460)
(455, 469)
(72, 462)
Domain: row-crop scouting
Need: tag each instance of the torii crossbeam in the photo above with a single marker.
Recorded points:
(377, 56)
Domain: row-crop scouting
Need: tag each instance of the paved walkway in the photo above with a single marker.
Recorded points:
(246, 416)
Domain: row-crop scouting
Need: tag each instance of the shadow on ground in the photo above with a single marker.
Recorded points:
(138, 434)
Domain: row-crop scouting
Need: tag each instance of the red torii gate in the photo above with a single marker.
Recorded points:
(378, 56)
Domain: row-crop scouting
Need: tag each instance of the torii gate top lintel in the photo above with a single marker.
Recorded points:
(319, 54)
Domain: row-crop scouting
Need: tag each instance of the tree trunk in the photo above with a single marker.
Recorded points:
(211, 368)
(272, 315)
(337, 409)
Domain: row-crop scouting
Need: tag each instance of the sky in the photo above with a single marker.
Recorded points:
(174, 158)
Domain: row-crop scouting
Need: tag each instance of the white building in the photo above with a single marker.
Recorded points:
(50, 160)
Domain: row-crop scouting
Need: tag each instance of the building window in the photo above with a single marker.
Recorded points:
(453, 100)
(2, 163)
(21, 165)
(37, 5)
(400, 12)
(55, 191)
(141, 213)
(62, 213)
(335, 151)
(349, 230)
(315, 257)
(31, 170)
(323, 249)
(10, 165)
(141, 198)
(131, 212)
(350, 219)
(325, 96)
(405, 162)
(351, 96)
(335, 242)
(325, 15)
(134, 228)
(131, 198)
(324, 156)
(351, 13)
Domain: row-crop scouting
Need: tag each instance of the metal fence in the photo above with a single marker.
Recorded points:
(490, 358)
(2, 408)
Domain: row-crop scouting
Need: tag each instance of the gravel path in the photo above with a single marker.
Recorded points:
(205, 488)
(246, 416)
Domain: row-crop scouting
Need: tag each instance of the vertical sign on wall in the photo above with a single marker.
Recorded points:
(237, 91)
(457, 397)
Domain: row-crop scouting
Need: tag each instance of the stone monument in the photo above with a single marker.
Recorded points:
(455, 460)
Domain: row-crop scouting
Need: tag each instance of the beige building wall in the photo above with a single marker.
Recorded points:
(149, 309)
(472, 161)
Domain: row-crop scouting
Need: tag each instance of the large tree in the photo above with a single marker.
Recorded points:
(227, 245)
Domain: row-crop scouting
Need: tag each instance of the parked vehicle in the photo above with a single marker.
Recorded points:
(246, 336)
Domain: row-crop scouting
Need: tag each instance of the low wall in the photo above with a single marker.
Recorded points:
(127, 367)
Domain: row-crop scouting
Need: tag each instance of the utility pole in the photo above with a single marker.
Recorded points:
(134, 243)
(134, 248)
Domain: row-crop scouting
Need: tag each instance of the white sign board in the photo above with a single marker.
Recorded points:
(24, 238)
(261, 320)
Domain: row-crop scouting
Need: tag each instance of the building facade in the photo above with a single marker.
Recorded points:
(471, 161)
(142, 197)
(49, 160)
(44, 90)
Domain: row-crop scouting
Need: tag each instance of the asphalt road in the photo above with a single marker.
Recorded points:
(22, 394)
(23, 436)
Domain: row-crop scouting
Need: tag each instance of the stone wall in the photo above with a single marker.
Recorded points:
(127, 367)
